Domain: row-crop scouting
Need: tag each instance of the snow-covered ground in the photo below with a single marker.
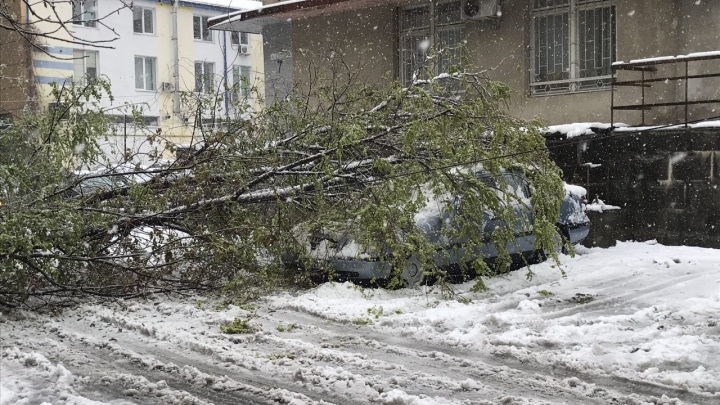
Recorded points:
(633, 324)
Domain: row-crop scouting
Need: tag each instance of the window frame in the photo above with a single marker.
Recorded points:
(144, 73)
(142, 21)
(79, 17)
(239, 88)
(239, 38)
(202, 38)
(84, 59)
(575, 82)
(207, 81)
(431, 31)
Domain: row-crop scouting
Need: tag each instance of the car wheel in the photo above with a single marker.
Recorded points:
(412, 274)
(558, 246)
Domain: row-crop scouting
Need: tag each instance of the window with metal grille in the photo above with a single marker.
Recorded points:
(426, 28)
(573, 45)
(204, 82)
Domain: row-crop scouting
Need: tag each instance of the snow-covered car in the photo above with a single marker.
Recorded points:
(343, 256)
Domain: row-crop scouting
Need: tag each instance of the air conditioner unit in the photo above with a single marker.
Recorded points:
(481, 10)
(165, 86)
(244, 49)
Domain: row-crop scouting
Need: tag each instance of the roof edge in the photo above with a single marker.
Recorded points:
(271, 10)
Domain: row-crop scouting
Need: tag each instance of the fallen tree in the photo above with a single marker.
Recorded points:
(221, 216)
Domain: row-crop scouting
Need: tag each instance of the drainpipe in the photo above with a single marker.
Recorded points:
(176, 60)
(225, 75)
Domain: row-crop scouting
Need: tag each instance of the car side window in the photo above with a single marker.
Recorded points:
(517, 184)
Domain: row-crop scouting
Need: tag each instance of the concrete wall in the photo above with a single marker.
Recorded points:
(364, 37)
(666, 183)
(645, 28)
(278, 60)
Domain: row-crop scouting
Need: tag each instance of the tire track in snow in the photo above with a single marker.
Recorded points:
(609, 388)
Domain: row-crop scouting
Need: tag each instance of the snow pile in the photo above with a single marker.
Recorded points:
(601, 207)
(577, 191)
(620, 312)
(29, 378)
(580, 128)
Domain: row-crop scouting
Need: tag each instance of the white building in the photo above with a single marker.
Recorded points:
(149, 71)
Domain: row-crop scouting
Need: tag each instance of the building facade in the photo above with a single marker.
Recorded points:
(134, 49)
(556, 54)
(562, 58)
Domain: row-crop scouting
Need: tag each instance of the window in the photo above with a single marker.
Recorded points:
(241, 82)
(145, 73)
(204, 82)
(148, 121)
(200, 28)
(143, 20)
(84, 65)
(426, 27)
(573, 45)
(84, 12)
(239, 38)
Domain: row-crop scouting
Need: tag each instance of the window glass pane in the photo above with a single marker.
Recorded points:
(207, 34)
(78, 65)
(137, 19)
(235, 38)
(447, 13)
(245, 72)
(552, 3)
(196, 27)
(89, 14)
(551, 45)
(149, 74)
(139, 74)
(413, 18)
(198, 76)
(596, 45)
(449, 47)
(76, 11)
(244, 38)
(208, 77)
(91, 64)
(148, 17)
(414, 56)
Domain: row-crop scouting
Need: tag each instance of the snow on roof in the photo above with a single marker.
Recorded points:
(232, 4)
(263, 14)
(579, 128)
(592, 128)
(670, 58)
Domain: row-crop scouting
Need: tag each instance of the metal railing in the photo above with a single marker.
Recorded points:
(646, 66)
